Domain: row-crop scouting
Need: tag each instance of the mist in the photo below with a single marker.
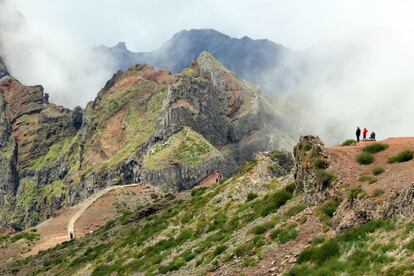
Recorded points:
(67, 68)
(365, 80)
(351, 65)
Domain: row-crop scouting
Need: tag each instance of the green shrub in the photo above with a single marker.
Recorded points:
(175, 264)
(377, 171)
(329, 208)
(348, 142)
(294, 210)
(320, 254)
(365, 158)
(251, 196)
(377, 192)
(285, 234)
(324, 178)
(320, 164)
(403, 156)
(355, 192)
(259, 229)
(375, 148)
(410, 245)
(367, 178)
(248, 166)
(219, 249)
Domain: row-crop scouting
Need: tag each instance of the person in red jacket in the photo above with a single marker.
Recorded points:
(364, 133)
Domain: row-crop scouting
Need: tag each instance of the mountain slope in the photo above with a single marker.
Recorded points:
(248, 58)
(145, 126)
(263, 220)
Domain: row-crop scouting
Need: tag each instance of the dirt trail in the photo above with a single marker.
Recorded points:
(56, 229)
(87, 203)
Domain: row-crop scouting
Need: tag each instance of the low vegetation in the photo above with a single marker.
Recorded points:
(185, 148)
(348, 142)
(326, 211)
(375, 148)
(377, 171)
(365, 158)
(362, 251)
(212, 230)
(403, 156)
(367, 178)
(377, 192)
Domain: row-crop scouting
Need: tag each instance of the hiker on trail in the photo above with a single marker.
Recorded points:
(364, 133)
(218, 178)
(358, 133)
(71, 236)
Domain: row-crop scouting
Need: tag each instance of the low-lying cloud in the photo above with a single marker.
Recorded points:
(70, 71)
(365, 80)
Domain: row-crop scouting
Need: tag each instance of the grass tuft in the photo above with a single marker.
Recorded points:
(348, 142)
(365, 158)
(375, 148)
(403, 156)
(377, 171)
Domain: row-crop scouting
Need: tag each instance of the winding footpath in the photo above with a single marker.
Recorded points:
(84, 206)
(57, 230)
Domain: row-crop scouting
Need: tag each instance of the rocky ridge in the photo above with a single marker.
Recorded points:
(56, 157)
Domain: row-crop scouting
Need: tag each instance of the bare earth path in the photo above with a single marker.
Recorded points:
(87, 203)
(88, 215)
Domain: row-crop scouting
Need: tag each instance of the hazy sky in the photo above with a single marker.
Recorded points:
(144, 25)
(360, 65)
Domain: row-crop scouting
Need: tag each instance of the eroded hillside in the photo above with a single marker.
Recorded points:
(145, 126)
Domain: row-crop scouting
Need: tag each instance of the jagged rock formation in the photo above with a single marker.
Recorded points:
(403, 204)
(311, 178)
(251, 59)
(145, 125)
(353, 212)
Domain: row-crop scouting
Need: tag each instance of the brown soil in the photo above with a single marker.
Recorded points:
(111, 204)
(395, 177)
(113, 135)
(102, 209)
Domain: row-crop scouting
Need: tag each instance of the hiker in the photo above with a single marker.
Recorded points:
(364, 133)
(71, 236)
(218, 177)
(372, 136)
(358, 133)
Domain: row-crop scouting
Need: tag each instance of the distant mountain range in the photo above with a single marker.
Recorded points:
(248, 58)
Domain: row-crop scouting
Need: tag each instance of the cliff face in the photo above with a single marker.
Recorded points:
(145, 126)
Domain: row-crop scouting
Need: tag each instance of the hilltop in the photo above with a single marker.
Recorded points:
(309, 213)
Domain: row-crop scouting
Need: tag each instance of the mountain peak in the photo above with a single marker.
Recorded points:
(121, 46)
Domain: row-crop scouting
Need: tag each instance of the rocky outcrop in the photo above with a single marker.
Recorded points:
(132, 133)
(3, 69)
(8, 160)
(312, 179)
(21, 99)
(403, 204)
(353, 212)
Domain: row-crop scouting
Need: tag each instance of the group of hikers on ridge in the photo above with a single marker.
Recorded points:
(364, 135)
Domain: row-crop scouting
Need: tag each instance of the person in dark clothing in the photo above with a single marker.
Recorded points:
(358, 133)
(372, 136)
